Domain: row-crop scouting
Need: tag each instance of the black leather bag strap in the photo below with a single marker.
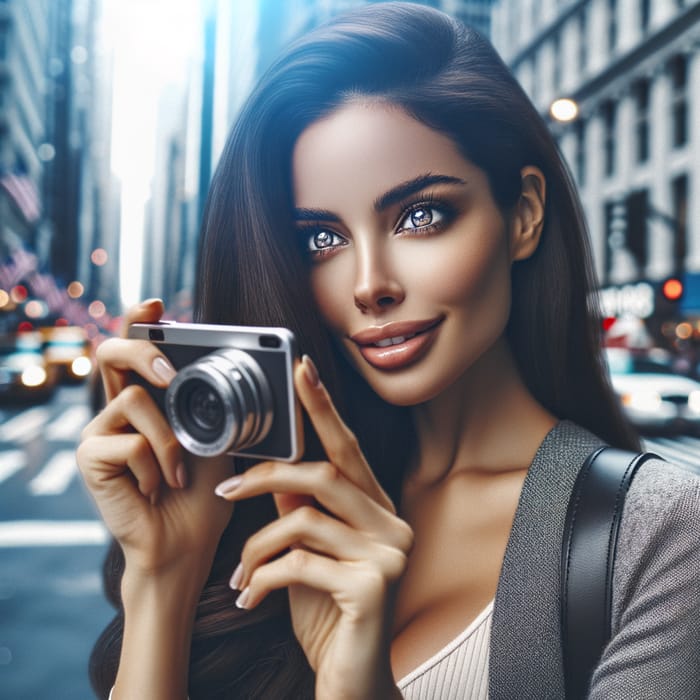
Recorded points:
(588, 557)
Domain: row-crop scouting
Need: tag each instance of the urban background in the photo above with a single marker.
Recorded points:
(112, 117)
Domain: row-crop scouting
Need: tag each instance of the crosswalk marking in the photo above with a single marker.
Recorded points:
(68, 425)
(52, 533)
(25, 426)
(56, 475)
(11, 462)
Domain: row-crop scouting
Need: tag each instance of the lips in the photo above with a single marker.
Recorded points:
(397, 344)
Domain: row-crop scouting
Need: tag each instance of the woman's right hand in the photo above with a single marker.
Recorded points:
(156, 500)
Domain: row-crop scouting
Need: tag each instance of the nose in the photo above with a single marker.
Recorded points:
(376, 286)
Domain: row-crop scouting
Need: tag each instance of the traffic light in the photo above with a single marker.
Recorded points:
(668, 299)
(672, 289)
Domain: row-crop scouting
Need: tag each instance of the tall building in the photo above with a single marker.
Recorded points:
(52, 161)
(632, 69)
(24, 54)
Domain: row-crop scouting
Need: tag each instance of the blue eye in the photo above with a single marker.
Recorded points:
(321, 241)
(420, 217)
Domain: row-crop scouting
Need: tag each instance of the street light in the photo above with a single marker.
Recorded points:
(563, 109)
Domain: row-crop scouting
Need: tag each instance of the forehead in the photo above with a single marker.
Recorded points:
(364, 149)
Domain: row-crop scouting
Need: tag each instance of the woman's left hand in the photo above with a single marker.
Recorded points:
(339, 548)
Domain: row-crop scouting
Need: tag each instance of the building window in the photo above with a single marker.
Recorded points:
(610, 141)
(583, 39)
(636, 215)
(679, 196)
(612, 25)
(640, 92)
(644, 15)
(581, 151)
(679, 101)
(3, 40)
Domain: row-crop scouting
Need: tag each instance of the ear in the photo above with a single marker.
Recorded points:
(528, 216)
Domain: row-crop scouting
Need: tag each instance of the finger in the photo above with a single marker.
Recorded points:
(115, 379)
(127, 458)
(134, 409)
(338, 440)
(148, 311)
(360, 586)
(117, 358)
(327, 485)
(310, 528)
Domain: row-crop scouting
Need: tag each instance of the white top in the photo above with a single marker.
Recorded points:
(459, 670)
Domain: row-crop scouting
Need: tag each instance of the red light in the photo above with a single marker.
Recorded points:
(672, 289)
(25, 326)
(608, 323)
(18, 293)
(62, 322)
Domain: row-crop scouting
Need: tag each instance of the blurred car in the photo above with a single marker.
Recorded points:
(68, 350)
(653, 396)
(24, 371)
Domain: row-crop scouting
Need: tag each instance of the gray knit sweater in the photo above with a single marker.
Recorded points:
(654, 652)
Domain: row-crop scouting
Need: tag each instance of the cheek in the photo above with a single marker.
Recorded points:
(464, 271)
(332, 291)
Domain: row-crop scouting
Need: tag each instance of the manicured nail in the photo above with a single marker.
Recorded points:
(226, 487)
(163, 369)
(181, 475)
(311, 371)
(242, 600)
(237, 577)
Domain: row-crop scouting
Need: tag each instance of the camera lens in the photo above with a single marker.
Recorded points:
(220, 403)
(201, 410)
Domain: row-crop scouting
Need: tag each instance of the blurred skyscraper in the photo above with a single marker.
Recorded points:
(632, 69)
(54, 144)
(24, 55)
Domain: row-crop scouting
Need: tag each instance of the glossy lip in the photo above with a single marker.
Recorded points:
(394, 329)
(396, 357)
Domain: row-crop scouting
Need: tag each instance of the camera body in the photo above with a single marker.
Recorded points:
(233, 392)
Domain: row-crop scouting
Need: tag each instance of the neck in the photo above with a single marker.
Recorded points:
(486, 422)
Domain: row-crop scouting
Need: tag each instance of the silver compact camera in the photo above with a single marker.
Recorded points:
(233, 392)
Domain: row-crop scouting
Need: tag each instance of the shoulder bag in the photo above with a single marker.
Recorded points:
(588, 558)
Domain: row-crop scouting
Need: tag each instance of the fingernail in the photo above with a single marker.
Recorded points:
(152, 300)
(242, 600)
(226, 487)
(237, 577)
(163, 369)
(154, 497)
(311, 371)
(181, 475)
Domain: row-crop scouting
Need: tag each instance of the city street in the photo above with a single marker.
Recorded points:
(51, 549)
(52, 545)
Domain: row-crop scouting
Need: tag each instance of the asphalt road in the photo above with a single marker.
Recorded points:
(52, 545)
(51, 548)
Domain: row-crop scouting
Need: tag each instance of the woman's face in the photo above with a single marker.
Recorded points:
(410, 257)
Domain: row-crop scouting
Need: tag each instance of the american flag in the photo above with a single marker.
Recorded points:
(23, 192)
(19, 264)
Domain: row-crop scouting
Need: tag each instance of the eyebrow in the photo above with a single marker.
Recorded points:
(393, 196)
(406, 189)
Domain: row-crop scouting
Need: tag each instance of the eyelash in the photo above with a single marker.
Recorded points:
(444, 210)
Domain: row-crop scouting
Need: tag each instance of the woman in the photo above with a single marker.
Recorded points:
(389, 194)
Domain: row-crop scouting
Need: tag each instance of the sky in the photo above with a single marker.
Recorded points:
(151, 41)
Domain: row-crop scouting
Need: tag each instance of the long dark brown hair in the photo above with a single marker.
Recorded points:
(251, 271)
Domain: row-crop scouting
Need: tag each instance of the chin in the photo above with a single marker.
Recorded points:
(407, 390)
